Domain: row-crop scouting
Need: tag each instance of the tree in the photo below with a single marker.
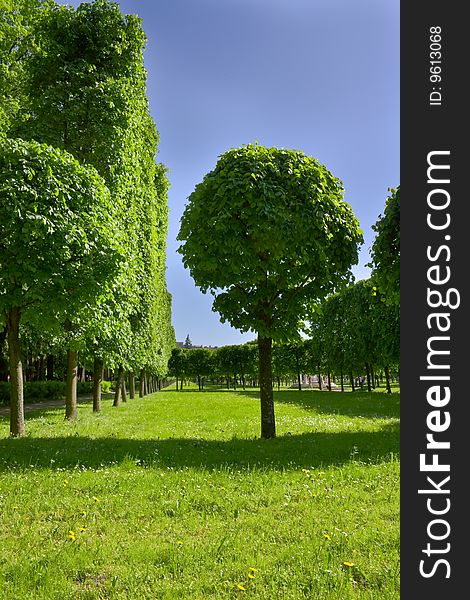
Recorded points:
(177, 364)
(200, 364)
(187, 342)
(58, 246)
(385, 251)
(85, 92)
(268, 234)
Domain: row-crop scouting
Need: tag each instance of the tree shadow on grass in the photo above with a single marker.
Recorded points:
(353, 404)
(288, 452)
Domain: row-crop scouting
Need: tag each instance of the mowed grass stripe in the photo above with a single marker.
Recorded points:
(175, 496)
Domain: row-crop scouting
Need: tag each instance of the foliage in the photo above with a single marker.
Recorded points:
(18, 19)
(83, 89)
(356, 328)
(268, 233)
(58, 243)
(385, 251)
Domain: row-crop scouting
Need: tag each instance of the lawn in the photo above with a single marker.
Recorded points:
(175, 496)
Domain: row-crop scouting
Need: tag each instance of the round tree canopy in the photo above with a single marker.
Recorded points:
(58, 243)
(269, 234)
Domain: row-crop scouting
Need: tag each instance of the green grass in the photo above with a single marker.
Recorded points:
(175, 496)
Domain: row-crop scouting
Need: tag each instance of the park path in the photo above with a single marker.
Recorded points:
(5, 410)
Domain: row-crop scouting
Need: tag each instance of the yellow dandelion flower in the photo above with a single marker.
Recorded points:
(327, 536)
(348, 564)
(180, 542)
(71, 536)
(241, 587)
(253, 570)
(82, 529)
(251, 575)
(66, 483)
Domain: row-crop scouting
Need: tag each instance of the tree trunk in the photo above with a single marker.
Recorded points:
(42, 368)
(123, 386)
(17, 428)
(118, 386)
(97, 379)
(146, 383)
(387, 380)
(351, 378)
(319, 378)
(372, 376)
(50, 367)
(329, 381)
(176, 383)
(71, 385)
(342, 380)
(131, 385)
(141, 383)
(368, 377)
(268, 423)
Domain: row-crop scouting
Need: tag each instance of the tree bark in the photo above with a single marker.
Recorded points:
(131, 385)
(141, 383)
(372, 376)
(17, 427)
(146, 383)
(118, 386)
(123, 386)
(97, 380)
(268, 423)
(387, 379)
(369, 389)
(71, 385)
(351, 378)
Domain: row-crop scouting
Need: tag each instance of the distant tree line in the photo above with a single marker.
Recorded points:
(354, 333)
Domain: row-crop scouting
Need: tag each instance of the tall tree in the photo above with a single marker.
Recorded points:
(86, 89)
(269, 234)
(59, 248)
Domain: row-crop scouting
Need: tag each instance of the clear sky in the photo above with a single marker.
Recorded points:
(321, 76)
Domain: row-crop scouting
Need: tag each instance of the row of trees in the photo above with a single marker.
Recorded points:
(83, 206)
(353, 333)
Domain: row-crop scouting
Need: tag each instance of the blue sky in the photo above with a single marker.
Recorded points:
(321, 76)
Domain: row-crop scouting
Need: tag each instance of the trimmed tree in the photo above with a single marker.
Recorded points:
(268, 233)
(58, 244)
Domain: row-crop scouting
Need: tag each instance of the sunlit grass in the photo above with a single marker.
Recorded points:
(175, 496)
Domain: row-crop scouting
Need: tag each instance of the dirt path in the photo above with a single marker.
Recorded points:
(5, 410)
